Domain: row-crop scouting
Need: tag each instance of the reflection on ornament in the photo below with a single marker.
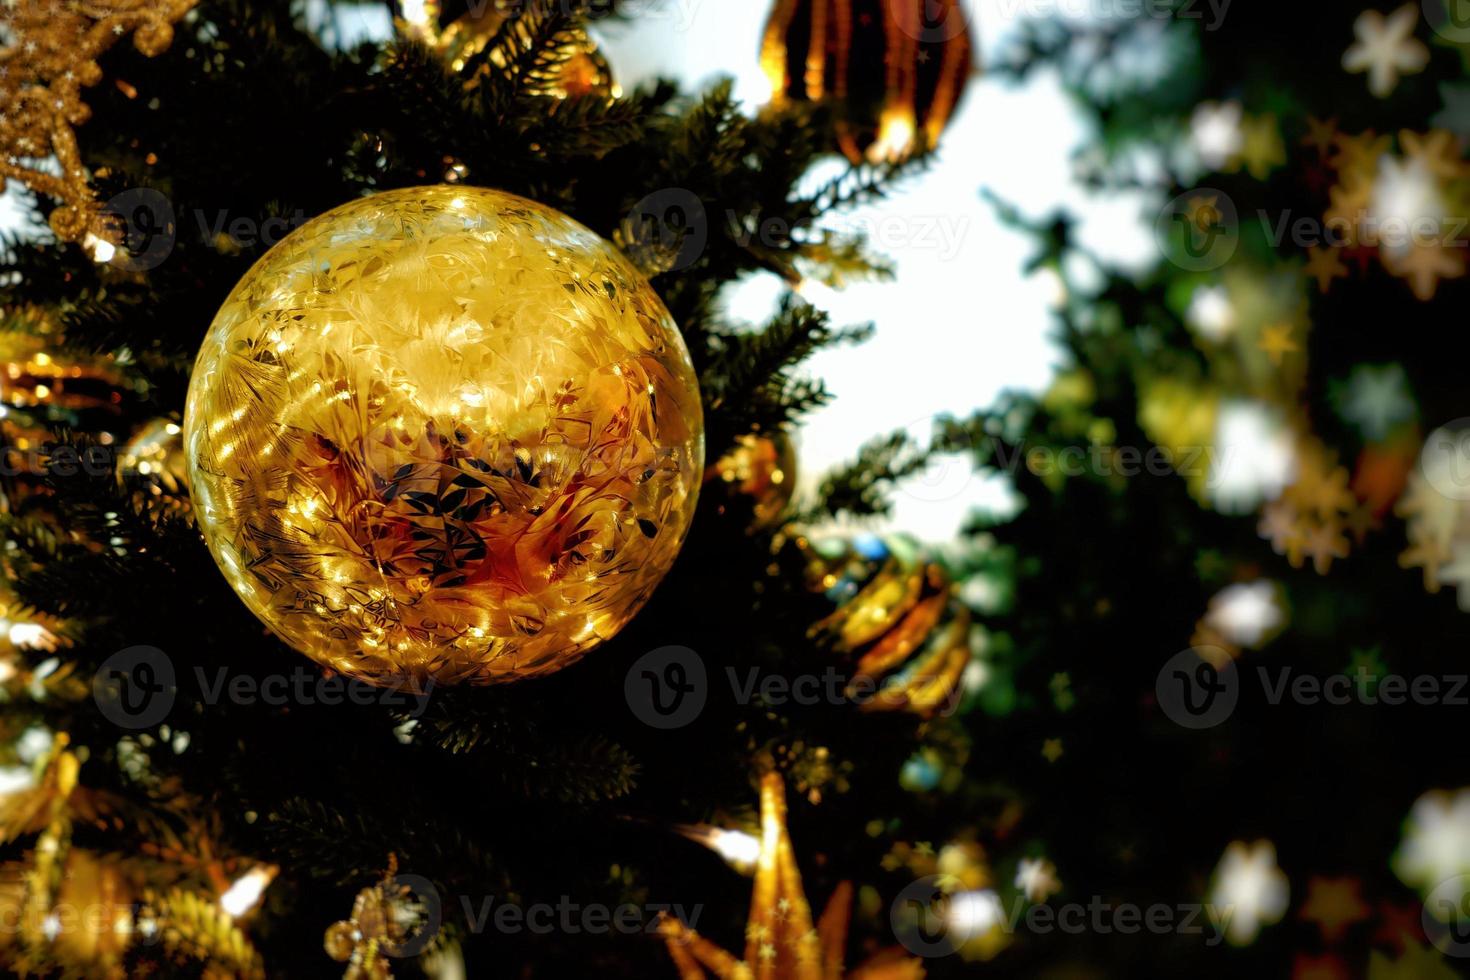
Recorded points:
(762, 468)
(895, 68)
(444, 433)
(153, 466)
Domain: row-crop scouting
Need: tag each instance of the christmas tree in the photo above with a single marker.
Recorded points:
(404, 573)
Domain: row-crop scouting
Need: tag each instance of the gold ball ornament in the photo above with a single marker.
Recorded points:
(153, 466)
(444, 433)
(896, 69)
(763, 469)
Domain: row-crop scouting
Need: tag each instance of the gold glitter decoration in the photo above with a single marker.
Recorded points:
(444, 433)
(51, 55)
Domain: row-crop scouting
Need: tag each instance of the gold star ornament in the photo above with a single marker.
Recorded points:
(781, 940)
(51, 56)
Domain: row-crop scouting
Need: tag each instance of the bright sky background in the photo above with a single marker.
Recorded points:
(960, 325)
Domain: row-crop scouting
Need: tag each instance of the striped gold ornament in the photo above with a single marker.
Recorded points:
(896, 69)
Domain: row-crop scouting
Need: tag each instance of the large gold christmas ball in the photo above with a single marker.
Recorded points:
(444, 433)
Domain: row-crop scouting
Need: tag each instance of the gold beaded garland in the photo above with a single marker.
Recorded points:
(444, 433)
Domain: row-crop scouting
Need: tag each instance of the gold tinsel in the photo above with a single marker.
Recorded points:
(52, 55)
(781, 940)
(86, 913)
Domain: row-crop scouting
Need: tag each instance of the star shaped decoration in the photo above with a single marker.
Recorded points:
(51, 76)
(1417, 963)
(1424, 267)
(1321, 135)
(1429, 555)
(1324, 543)
(1398, 925)
(1457, 573)
(1280, 526)
(1335, 905)
(782, 942)
(1376, 399)
(1325, 265)
(1437, 150)
(1386, 48)
(1249, 881)
(1360, 153)
(1276, 342)
(1215, 133)
(1263, 150)
(1037, 879)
